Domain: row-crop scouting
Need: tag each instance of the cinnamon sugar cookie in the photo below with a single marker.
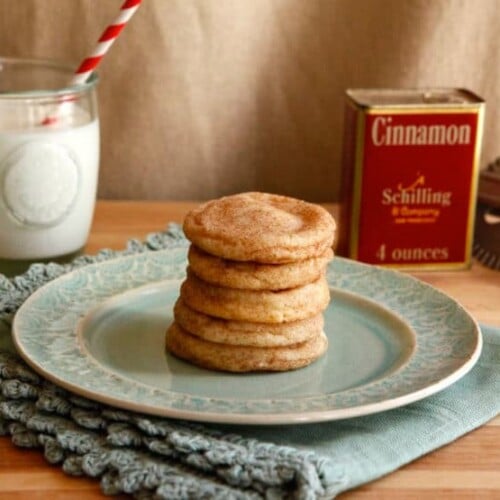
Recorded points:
(260, 227)
(223, 331)
(243, 358)
(261, 306)
(255, 276)
(256, 284)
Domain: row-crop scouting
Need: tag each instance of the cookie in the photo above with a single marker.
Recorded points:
(260, 227)
(235, 358)
(261, 306)
(255, 276)
(247, 333)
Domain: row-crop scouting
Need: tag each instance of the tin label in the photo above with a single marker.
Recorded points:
(416, 186)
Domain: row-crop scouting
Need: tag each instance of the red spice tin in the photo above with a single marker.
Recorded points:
(411, 160)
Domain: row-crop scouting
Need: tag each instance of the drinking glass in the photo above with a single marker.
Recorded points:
(49, 162)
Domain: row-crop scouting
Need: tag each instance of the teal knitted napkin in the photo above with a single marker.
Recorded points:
(162, 458)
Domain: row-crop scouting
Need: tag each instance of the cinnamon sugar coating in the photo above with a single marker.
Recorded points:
(255, 276)
(236, 358)
(263, 306)
(261, 227)
(247, 333)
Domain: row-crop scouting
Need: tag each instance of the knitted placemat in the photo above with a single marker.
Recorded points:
(148, 457)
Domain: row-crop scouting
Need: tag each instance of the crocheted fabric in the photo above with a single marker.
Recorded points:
(145, 456)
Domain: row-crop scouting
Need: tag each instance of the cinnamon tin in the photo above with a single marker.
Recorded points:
(410, 173)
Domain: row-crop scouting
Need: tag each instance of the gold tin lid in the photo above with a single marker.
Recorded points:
(411, 98)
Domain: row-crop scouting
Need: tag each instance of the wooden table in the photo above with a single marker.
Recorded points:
(467, 468)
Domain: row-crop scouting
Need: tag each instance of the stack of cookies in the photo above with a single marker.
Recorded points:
(256, 286)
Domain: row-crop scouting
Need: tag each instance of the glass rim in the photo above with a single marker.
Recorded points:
(73, 89)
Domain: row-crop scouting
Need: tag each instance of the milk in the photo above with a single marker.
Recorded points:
(48, 182)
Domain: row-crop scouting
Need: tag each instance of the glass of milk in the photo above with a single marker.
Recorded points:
(49, 162)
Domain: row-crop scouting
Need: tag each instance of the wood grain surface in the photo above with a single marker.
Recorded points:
(468, 468)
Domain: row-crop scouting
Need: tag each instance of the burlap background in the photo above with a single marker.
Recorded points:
(206, 97)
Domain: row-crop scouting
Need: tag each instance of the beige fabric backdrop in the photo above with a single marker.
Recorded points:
(201, 98)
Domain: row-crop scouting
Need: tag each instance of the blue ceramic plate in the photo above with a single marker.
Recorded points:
(99, 332)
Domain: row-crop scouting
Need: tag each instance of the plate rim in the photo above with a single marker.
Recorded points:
(310, 416)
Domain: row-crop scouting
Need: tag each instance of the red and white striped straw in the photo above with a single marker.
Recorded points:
(107, 39)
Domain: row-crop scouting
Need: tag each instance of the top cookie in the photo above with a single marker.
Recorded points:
(260, 227)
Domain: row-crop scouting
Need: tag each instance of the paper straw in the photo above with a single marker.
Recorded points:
(107, 39)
